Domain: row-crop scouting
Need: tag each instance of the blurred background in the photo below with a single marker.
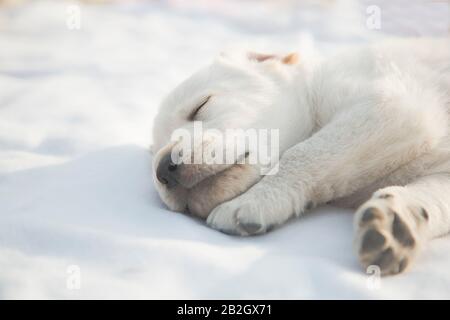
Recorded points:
(80, 75)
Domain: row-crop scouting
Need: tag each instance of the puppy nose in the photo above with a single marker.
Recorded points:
(165, 173)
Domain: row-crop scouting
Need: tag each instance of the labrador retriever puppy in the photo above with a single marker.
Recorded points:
(367, 128)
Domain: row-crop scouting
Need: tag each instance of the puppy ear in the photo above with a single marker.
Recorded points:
(291, 58)
(260, 57)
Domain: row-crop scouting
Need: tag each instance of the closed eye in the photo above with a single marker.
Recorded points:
(197, 109)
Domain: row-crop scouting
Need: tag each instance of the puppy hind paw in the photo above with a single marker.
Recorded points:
(386, 234)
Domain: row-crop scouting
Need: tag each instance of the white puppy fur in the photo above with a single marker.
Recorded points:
(367, 128)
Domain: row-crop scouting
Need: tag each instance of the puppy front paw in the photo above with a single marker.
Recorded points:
(241, 216)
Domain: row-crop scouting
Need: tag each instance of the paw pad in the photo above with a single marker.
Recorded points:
(372, 240)
(371, 214)
(384, 236)
(401, 232)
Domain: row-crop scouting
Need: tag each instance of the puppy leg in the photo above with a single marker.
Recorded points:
(392, 227)
(356, 148)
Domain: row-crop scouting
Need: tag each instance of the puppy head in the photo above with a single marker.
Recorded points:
(236, 93)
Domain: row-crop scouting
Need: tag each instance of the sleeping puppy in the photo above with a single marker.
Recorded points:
(365, 129)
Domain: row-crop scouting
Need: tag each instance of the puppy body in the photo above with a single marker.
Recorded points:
(367, 128)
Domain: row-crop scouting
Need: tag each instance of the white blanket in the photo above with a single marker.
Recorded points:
(79, 217)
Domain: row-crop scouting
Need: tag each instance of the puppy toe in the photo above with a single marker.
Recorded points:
(251, 228)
